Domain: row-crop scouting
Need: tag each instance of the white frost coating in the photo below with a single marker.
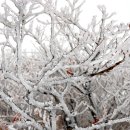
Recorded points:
(8, 100)
(102, 125)
(71, 74)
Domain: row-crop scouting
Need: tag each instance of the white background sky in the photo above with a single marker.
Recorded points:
(121, 7)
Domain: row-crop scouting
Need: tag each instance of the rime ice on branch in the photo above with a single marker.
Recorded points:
(62, 82)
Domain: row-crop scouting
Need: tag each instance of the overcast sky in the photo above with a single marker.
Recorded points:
(121, 7)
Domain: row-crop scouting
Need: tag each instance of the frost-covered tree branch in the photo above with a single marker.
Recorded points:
(61, 83)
